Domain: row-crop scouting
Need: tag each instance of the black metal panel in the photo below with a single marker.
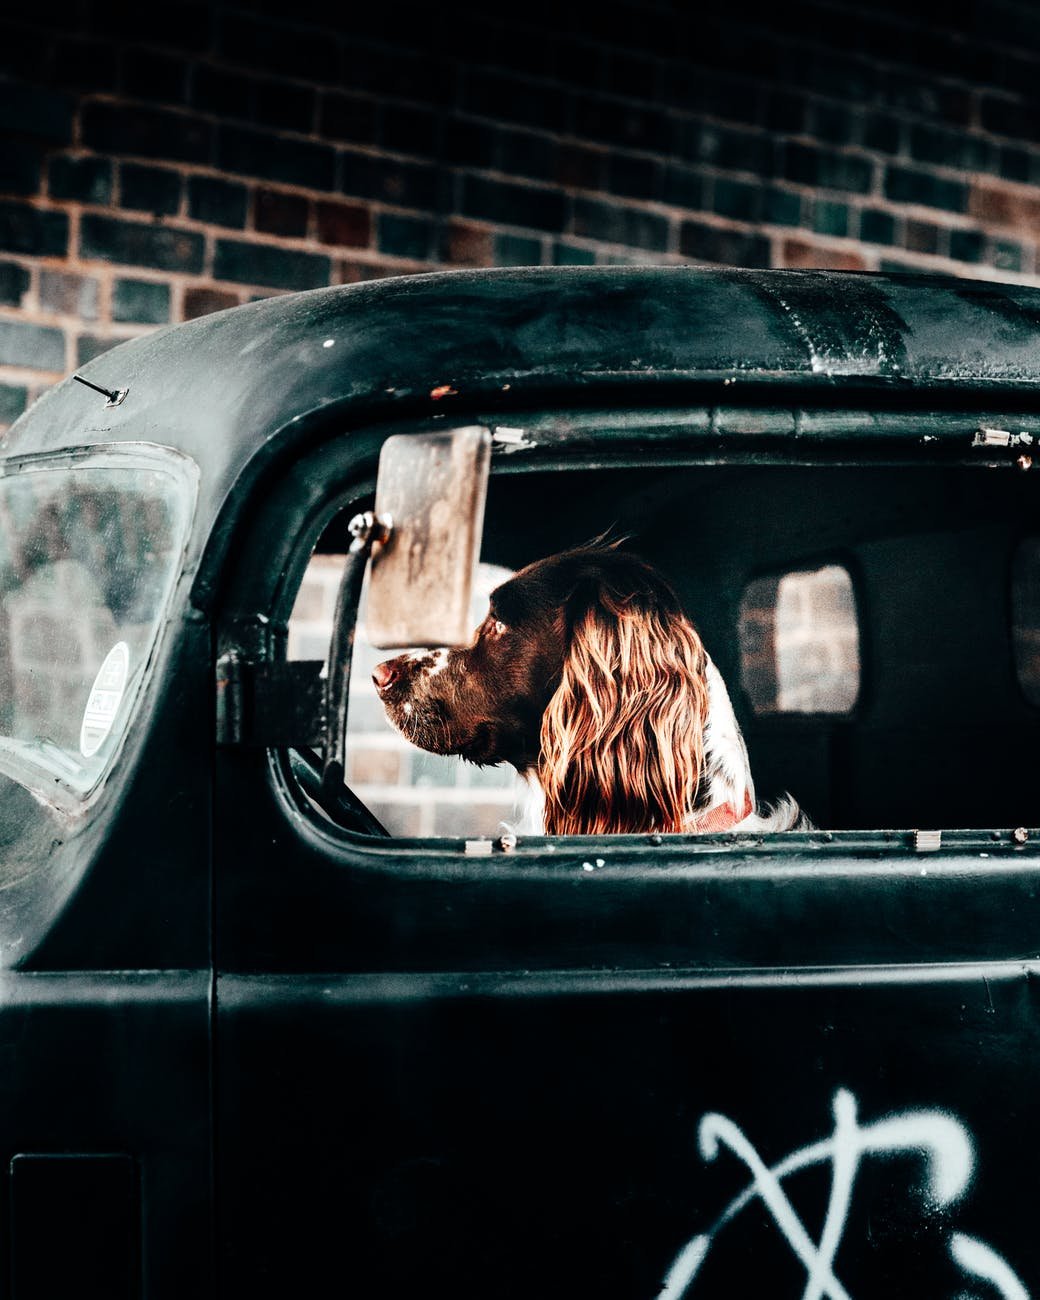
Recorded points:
(75, 1227)
(96, 1066)
(517, 1137)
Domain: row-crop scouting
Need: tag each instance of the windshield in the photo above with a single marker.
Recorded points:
(90, 550)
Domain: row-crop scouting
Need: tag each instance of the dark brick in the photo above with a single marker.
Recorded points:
(681, 187)
(882, 133)
(876, 227)
(30, 230)
(715, 244)
(203, 302)
(630, 74)
(612, 224)
(727, 148)
(347, 224)
(161, 248)
(277, 213)
(571, 255)
(951, 148)
(967, 245)
(35, 111)
(1014, 118)
(23, 54)
(1006, 255)
(85, 66)
(1014, 164)
(13, 400)
(830, 218)
(228, 94)
(19, 167)
(396, 75)
(147, 132)
(180, 26)
(281, 104)
(88, 180)
(737, 199)
(38, 347)
(404, 236)
(144, 301)
(528, 154)
(904, 185)
(469, 144)
(781, 207)
(152, 76)
(276, 158)
(409, 130)
(408, 185)
(622, 122)
(91, 346)
(579, 168)
(832, 123)
(514, 205)
(279, 268)
(300, 52)
(837, 171)
(348, 117)
(68, 295)
(634, 176)
(222, 203)
(921, 237)
(785, 111)
(150, 189)
(515, 250)
(14, 281)
(509, 99)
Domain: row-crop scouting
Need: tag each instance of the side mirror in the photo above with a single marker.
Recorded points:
(424, 542)
(430, 492)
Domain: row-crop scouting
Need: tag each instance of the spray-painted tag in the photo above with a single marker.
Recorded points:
(104, 700)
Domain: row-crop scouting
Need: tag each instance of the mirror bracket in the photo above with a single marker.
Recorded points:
(369, 532)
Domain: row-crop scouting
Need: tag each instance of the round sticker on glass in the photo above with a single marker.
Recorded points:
(104, 699)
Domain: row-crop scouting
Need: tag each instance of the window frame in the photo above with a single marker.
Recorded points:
(626, 437)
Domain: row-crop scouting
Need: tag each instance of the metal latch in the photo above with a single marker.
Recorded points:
(278, 702)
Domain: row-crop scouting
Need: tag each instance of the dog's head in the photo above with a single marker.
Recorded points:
(585, 672)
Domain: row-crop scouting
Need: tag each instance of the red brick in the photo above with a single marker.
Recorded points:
(1004, 205)
(348, 224)
(798, 253)
(278, 213)
(466, 245)
(202, 301)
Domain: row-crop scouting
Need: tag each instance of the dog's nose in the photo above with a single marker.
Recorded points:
(385, 675)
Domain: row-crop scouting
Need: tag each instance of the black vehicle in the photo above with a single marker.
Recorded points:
(254, 1046)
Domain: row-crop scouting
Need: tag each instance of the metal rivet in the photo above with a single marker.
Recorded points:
(1020, 835)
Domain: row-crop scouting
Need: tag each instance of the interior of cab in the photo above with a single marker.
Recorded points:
(878, 629)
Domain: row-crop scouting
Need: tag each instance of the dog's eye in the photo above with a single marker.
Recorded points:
(495, 627)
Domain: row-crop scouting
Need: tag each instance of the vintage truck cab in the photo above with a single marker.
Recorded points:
(253, 1045)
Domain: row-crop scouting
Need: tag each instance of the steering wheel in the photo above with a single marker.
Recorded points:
(342, 805)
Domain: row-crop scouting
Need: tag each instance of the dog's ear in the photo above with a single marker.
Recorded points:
(622, 738)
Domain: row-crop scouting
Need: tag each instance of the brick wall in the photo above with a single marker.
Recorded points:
(163, 161)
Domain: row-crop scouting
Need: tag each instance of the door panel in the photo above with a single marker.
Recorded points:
(517, 1136)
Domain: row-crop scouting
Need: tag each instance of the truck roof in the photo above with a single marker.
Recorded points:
(242, 386)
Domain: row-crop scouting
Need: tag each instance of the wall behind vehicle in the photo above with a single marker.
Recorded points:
(159, 162)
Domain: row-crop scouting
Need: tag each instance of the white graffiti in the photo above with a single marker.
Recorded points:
(939, 1139)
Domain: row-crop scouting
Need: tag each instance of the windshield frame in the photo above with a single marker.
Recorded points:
(45, 781)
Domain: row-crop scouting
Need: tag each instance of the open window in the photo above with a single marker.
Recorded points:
(858, 612)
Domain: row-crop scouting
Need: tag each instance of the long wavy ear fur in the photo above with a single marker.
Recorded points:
(622, 737)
